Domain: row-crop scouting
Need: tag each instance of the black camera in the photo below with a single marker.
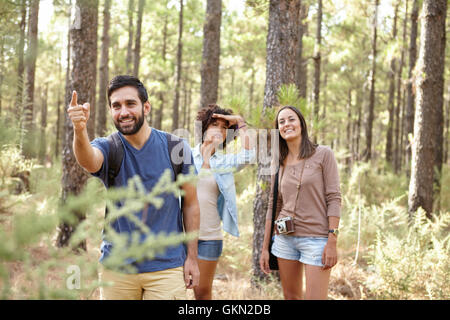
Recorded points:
(285, 225)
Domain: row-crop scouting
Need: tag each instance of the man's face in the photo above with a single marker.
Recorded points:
(127, 110)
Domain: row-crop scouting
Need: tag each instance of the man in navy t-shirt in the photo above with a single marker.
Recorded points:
(145, 154)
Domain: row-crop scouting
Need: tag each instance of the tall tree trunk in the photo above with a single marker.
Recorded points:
(28, 145)
(447, 123)
(409, 121)
(370, 113)
(104, 73)
(317, 64)
(189, 104)
(163, 80)
(391, 76)
(429, 100)
(137, 43)
(83, 66)
(251, 91)
(399, 96)
(282, 38)
(349, 129)
(129, 57)
(301, 75)
(357, 131)
(176, 100)
(43, 140)
(20, 68)
(211, 53)
(2, 72)
(58, 123)
(439, 115)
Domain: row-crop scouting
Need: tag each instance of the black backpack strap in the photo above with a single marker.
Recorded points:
(175, 147)
(115, 157)
(274, 202)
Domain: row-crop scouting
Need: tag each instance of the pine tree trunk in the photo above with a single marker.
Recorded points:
(349, 129)
(83, 67)
(447, 122)
(2, 72)
(211, 53)
(137, 43)
(429, 99)
(104, 73)
(28, 144)
(317, 65)
(21, 67)
(391, 76)
(357, 128)
(409, 117)
(370, 113)
(301, 72)
(43, 141)
(129, 57)
(162, 93)
(282, 38)
(176, 101)
(397, 152)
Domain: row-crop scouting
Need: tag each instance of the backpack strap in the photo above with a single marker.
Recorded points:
(115, 157)
(274, 203)
(174, 142)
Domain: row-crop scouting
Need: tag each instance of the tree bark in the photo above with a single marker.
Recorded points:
(129, 57)
(301, 72)
(211, 53)
(447, 122)
(161, 94)
(137, 43)
(83, 66)
(28, 145)
(370, 118)
(317, 64)
(282, 39)
(43, 140)
(429, 99)
(104, 73)
(409, 117)
(176, 101)
(398, 151)
(391, 76)
(20, 68)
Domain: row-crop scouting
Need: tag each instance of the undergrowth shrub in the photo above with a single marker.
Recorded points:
(413, 265)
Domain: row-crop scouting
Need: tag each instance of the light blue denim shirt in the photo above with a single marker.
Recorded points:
(223, 166)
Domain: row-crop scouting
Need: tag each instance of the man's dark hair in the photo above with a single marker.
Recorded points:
(127, 81)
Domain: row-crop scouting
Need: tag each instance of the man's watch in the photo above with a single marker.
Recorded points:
(334, 231)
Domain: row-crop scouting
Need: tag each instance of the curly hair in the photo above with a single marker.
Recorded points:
(205, 115)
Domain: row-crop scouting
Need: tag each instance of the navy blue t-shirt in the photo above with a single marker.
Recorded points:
(149, 163)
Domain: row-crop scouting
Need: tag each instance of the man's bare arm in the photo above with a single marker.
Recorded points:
(88, 157)
(191, 218)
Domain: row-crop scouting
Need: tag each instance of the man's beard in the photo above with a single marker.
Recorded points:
(131, 130)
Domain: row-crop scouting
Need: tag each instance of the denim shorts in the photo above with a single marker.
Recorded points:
(307, 250)
(210, 250)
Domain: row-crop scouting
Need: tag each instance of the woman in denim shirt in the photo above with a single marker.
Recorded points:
(215, 188)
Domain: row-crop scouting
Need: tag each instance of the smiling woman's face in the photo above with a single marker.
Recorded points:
(289, 124)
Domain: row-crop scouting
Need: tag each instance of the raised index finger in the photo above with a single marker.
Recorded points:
(73, 102)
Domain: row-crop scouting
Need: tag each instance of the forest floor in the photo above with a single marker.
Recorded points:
(232, 280)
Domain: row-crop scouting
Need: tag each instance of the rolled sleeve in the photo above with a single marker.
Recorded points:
(331, 184)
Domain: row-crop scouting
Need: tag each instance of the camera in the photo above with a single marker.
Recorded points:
(285, 225)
